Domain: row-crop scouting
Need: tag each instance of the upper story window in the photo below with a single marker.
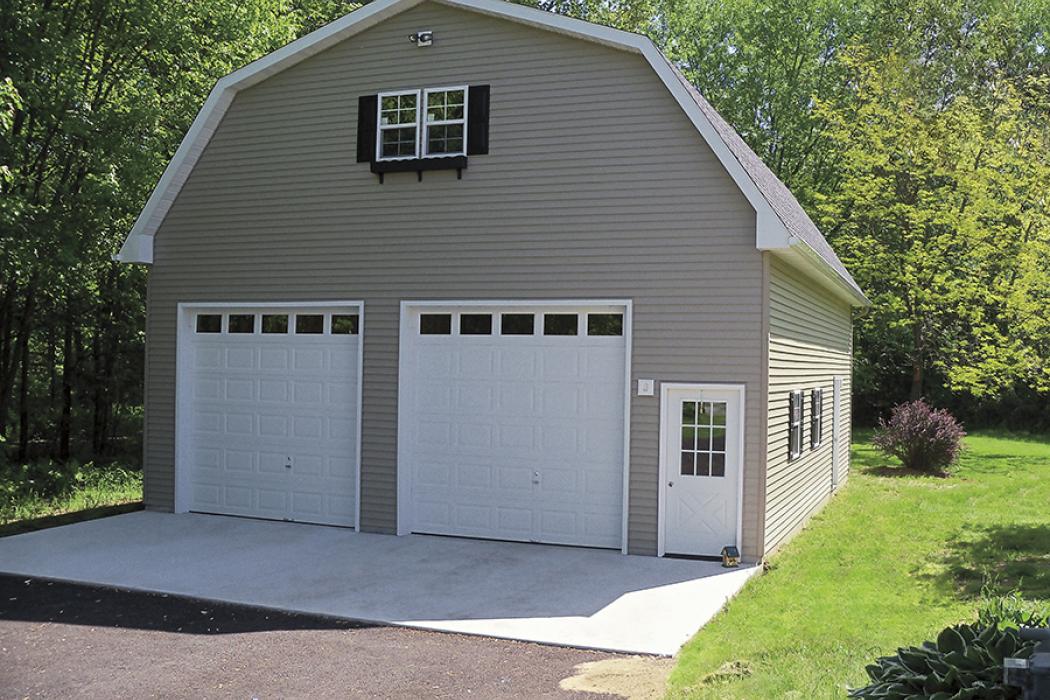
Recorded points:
(422, 129)
(398, 125)
(445, 126)
(422, 123)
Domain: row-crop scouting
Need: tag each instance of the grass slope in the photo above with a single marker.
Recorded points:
(889, 562)
(32, 495)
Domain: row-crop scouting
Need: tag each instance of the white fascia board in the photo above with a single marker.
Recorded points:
(770, 231)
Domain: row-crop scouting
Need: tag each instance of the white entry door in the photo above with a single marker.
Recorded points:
(702, 466)
(511, 422)
(268, 419)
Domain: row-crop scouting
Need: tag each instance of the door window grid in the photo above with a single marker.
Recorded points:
(703, 428)
(521, 323)
(277, 323)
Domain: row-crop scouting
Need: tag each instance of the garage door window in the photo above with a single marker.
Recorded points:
(475, 324)
(345, 324)
(560, 324)
(275, 323)
(604, 324)
(209, 323)
(517, 324)
(435, 324)
(309, 323)
(242, 323)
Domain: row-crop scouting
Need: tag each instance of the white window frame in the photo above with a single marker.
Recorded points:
(816, 418)
(425, 125)
(421, 124)
(380, 127)
(796, 399)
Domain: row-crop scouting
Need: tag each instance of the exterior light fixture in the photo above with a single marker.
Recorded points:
(730, 557)
(423, 38)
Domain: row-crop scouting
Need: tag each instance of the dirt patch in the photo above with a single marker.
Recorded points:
(632, 677)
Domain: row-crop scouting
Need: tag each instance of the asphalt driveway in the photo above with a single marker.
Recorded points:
(60, 640)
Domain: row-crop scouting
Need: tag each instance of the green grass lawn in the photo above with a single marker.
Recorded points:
(889, 562)
(43, 495)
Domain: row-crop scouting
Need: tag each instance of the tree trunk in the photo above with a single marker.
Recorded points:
(97, 422)
(918, 357)
(7, 351)
(67, 387)
(23, 402)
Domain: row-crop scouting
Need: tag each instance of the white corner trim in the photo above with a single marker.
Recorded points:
(138, 247)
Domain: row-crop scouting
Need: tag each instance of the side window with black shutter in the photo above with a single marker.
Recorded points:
(478, 120)
(794, 425)
(424, 128)
(367, 111)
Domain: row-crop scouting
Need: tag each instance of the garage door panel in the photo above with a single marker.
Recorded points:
(500, 433)
(273, 423)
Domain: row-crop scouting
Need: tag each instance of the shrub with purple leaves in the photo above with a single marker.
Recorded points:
(920, 436)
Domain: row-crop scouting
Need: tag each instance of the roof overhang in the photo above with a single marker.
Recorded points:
(801, 256)
(771, 233)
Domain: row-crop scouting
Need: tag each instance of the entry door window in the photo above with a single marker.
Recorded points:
(703, 438)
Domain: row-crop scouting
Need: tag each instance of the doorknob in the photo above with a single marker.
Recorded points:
(670, 483)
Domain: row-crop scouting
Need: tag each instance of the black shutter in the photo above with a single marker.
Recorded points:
(367, 106)
(478, 120)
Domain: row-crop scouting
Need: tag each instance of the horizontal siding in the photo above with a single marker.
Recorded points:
(596, 186)
(810, 343)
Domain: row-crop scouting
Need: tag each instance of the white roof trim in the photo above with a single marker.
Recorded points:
(138, 248)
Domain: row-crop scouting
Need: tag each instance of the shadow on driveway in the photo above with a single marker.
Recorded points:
(39, 600)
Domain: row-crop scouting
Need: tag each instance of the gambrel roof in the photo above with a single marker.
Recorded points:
(782, 224)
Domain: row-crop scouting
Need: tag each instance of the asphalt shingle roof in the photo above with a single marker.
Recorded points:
(791, 213)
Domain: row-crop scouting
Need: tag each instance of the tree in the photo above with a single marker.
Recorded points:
(940, 209)
(97, 97)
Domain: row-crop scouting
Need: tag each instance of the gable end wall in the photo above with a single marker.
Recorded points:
(596, 186)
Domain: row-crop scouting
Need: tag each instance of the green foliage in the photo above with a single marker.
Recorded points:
(95, 99)
(965, 662)
(47, 487)
(916, 135)
(1010, 610)
(891, 558)
(940, 211)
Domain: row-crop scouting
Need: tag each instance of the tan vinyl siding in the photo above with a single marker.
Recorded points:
(810, 343)
(596, 186)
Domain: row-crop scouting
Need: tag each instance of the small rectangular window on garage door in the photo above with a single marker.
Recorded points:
(561, 324)
(518, 324)
(309, 324)
(435, 324)
(209, 323)
(604, 324)
(475, 324)
(345, 324)
(241, 323)
(275, 323)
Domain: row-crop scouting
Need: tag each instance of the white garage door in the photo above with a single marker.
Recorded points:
(512, 422)
(269, 413)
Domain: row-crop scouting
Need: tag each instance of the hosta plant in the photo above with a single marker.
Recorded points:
(920, 436)
(965, 662)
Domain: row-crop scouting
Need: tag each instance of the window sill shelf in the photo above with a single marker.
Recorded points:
(418, 165)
